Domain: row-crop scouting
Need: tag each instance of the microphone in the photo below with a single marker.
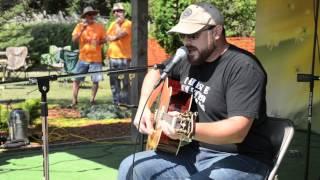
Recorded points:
(307, 77)
(181, 54)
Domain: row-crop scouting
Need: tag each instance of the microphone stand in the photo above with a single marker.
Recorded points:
(44, 87)
(311, 80)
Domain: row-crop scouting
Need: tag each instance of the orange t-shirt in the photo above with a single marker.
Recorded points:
(89, 41)
(120, 48)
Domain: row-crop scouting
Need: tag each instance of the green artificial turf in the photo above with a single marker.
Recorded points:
(99, 161)
(74, 162)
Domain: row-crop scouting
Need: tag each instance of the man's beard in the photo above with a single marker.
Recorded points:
(197, 57)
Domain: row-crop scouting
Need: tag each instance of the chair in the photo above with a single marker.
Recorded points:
(3, 64)
(16, 60)
(70, 59)
(62, 59)
(280, 132)
(52, 59)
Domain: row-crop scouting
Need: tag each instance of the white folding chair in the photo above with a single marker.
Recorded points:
(16, 60)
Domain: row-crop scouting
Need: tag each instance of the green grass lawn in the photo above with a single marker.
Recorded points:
(60, 95)
(60, 91)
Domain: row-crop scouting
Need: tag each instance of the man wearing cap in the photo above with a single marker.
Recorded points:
(90, 35)
(119, 53)
(228, 85)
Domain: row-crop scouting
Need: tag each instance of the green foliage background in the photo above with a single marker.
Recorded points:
(239, 18)
(37, 37)
(239, 21)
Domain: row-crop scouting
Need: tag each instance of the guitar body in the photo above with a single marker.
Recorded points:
(170, 98)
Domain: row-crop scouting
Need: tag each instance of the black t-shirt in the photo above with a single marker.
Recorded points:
(232, 85)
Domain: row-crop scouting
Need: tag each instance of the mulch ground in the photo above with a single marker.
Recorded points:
(63, 112)
(92, 131)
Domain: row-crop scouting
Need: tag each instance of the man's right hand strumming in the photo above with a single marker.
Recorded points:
(146, 122)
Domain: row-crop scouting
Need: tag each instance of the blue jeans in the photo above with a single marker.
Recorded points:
(84, 67)
(192, 163)
(119, 83)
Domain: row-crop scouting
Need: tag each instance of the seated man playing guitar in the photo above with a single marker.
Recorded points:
(228, 88)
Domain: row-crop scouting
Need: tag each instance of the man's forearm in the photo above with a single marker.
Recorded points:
(75, 38)
(117, 36)
(228, 131)
(149, 81)
(120, 33)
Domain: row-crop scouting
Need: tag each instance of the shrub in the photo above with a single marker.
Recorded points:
(104, 111)
(31, 106)
(3, 118)
(37, 37)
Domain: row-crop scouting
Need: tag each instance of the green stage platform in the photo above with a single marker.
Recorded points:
(99, 161)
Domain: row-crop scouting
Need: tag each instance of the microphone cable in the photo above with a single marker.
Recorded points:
(135, 147)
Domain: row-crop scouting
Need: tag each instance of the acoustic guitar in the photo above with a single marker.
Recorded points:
(168, 97)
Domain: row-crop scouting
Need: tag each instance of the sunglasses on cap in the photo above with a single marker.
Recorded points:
(196, 35)
(91, 14)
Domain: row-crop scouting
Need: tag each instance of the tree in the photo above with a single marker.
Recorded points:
(164, 14)
(239, 18)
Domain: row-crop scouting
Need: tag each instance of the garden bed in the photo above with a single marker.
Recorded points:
(67, 126)
(76, 128)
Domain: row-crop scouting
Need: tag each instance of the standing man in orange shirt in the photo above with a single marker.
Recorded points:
(90, 35)
(119, 53)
